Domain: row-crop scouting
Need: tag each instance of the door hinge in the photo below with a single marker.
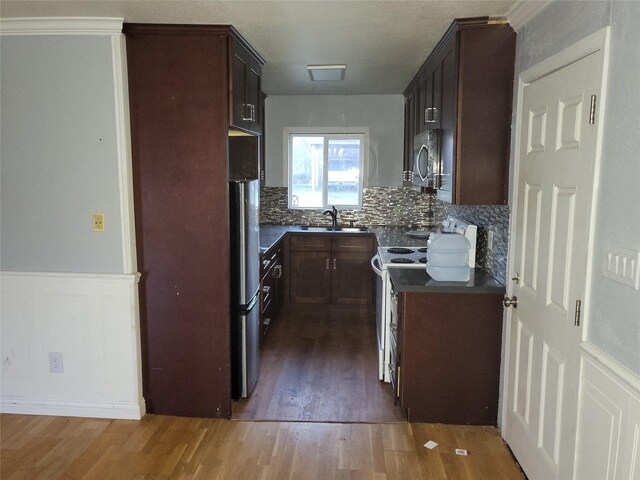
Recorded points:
(592, 111)
(576, 320)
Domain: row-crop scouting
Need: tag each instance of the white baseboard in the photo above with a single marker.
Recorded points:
(125, 410)
(608, 433)
(92, 322)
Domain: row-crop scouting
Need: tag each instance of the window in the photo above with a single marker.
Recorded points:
(326, 169)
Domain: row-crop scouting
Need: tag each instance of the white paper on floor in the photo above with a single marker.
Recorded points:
(431, 444)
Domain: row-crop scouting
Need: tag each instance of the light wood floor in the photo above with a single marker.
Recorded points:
(176, 448)
(320, 365)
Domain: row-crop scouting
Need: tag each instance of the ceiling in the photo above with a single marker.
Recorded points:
(383, 43)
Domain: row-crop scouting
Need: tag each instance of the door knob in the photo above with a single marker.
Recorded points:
(510, 302)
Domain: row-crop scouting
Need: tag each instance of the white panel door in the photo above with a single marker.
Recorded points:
(553, 209)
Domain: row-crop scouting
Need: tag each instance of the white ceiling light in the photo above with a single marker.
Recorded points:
(326, 72)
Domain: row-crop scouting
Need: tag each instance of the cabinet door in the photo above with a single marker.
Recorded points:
(268, 301)
(435, 115)
(352, 278)
(253, 97)
(409, 132)
(424, 99)
(278, 271)
(448, 119)
(309, 277)
(451, 342)
(238, 88)
(261, 153)
(245, 98)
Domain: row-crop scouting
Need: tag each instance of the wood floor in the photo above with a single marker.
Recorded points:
(177, 448)
(320, 365)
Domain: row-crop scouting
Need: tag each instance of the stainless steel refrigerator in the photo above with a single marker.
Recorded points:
(245, 284)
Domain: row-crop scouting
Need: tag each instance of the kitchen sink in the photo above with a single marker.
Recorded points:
(335, 229)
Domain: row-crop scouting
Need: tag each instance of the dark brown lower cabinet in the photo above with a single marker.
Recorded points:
(310, 277)
(449, 349)
(331, 269)
(271, 286)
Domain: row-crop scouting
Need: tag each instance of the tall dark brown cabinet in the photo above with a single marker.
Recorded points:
(180, 89)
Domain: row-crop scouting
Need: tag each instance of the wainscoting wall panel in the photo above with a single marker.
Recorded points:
(93, 321)
(608, 435)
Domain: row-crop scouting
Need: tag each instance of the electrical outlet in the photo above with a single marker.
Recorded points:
(55, 362)
(490, 240)
(98, 222)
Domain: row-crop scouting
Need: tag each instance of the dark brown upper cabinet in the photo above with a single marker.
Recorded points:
(245, 114)
(464, 89)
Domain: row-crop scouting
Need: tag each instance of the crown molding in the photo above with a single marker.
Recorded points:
(61, 26)
(523, 11)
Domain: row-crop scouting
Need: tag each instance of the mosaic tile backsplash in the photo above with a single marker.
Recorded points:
(399, 206)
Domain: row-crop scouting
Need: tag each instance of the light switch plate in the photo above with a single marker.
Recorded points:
(98, 222)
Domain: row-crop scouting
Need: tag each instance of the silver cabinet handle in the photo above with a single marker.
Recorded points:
(334, 264)
(266, 322)
(266, 289)
(277, 271)
(249, 113)
(430, 118)
(327, 264)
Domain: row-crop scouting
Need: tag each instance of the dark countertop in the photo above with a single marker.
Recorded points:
(271, 234)
(386, 236)
(418, 280)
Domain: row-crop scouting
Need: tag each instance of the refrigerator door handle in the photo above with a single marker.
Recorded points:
(244, 309)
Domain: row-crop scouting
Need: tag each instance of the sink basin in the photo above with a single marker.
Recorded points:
(335, 229)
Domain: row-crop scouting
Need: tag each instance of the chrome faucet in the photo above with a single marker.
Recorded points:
(333, 211)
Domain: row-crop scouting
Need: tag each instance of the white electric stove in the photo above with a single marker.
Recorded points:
(405, 257)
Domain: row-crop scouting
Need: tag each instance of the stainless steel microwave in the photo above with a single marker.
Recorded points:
(426, 158)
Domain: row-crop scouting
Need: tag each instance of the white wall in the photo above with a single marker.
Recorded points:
(614, 323)
(613, 315)
(64, 288)
(382, 114)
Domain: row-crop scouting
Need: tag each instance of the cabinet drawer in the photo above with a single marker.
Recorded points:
(310, 243)
(353, 244)
(267, 292)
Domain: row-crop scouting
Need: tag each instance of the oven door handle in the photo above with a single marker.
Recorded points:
(376, 260)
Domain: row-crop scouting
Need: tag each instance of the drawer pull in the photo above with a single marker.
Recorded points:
(266, 289)
(277, 271)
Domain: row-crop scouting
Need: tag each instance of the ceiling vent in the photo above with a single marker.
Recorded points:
(326, 72)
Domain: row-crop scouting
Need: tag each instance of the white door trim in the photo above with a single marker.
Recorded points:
(61, 26)
(593, 43)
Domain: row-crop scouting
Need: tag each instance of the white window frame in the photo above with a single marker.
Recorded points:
(328, 133)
